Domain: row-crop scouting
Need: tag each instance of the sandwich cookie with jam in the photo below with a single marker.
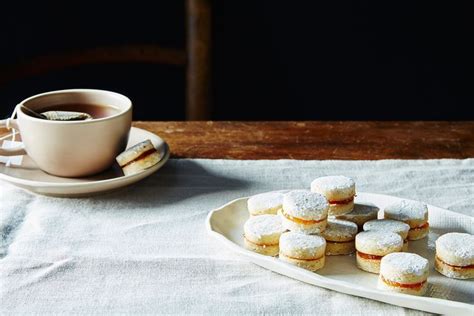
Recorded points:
(372, 246)
(338, 190)
(403, 273)
(413, 213)
(340, 237)
(455, 255)
(262, 234)
(302, 250)
(390, 225)
(304, 211)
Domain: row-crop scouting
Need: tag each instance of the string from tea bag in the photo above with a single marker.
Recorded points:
(9, 126)
(13, 130)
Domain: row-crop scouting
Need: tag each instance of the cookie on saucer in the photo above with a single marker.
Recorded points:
(138, 158)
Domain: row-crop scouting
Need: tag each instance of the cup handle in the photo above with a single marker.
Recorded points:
(17, 151)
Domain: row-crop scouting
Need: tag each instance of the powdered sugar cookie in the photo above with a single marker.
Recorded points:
(305, 251)
(455, 255)
(403, 273)
(360, 214)
(265, 203)
(413, 213)
(340, 236)
(390, 225)
(262, 234)
(304, 211)
(338, 190)
(138, 158)
(371, 246)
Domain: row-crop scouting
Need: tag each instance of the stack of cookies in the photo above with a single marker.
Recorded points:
(306, 234)
(340, 192)
(302, 227)
(304, 214)
(340, 232)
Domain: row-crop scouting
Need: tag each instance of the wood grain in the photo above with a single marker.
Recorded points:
(316, 140)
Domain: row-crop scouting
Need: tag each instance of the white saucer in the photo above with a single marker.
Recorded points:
(28, 176)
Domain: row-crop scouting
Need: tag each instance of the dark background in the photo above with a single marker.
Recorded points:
(271, 60)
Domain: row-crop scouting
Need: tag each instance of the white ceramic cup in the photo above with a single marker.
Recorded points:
(72, 148)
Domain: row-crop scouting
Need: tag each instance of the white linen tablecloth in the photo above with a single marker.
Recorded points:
(144, 249)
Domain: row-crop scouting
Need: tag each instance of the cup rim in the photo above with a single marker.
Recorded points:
(122, 112)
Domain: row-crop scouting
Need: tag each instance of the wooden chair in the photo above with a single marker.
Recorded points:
(195, 58)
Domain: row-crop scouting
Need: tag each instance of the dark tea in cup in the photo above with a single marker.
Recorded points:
(95, 110)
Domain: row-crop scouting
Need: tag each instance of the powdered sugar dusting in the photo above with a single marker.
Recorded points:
(363, 210)
(404, 263)
(338, 229)
(264, 201)
(292, 241)
(330, 183)
(264, 225)
(381, 240)
(405, 210)
(460, 244)
(387, 225)
(305, 204)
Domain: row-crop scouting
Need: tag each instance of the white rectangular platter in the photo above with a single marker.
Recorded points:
(444, 295)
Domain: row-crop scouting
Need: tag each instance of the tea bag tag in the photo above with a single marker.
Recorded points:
(11, 160)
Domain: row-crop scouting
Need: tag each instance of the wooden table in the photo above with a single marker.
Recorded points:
(316, 140)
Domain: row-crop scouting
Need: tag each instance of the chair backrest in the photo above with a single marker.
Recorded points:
(195, 59)
(199, 52)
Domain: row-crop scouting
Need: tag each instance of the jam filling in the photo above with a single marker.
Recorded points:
(303, 259)
(302, 221)
(143, 155)
(369, 257)
(425, 225)
(346, 201)
(261, 245)
(403, 285)
(457, 267)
